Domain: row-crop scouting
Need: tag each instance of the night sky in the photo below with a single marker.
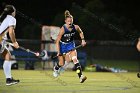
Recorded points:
(44, 11)
(41, 10)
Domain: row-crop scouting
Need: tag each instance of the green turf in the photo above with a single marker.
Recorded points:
(43, 82)
(122, 64)
(129, 65)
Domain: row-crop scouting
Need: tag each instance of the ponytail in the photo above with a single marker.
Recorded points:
(67, 14)
(8, 10)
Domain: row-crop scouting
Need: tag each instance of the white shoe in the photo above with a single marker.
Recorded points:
(56, 73)
(61, 70)
(82, 78)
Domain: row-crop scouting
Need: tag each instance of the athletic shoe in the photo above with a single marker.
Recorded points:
(56, 73)
(11, 81)
(61, 70)
(82, 79)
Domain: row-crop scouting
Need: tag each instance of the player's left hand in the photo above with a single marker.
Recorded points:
(83, 43)
(16, 45)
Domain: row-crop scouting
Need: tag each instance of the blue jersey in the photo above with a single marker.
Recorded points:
(67, 40)
(68, 36)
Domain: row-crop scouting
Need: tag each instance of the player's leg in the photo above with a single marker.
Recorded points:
(7, 68)
(67, 60)
(56, 72)
(66, 63)
(78, 66)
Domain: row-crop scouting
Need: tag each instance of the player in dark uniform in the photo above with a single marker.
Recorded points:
(65, 43)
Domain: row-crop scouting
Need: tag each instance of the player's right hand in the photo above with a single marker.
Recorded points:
(16, 45)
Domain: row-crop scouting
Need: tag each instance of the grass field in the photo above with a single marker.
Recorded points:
(38, 81)
(129, 65)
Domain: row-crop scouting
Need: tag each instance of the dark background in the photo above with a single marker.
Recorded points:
(105, 19)
(111, 27)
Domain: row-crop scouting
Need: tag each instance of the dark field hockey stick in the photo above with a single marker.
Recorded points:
(42, 54)
(68, 51)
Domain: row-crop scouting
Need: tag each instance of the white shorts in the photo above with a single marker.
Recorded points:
(3, 46)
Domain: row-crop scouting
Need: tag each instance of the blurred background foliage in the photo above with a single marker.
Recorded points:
(99, 19)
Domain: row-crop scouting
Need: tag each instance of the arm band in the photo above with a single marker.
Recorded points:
(83, 38)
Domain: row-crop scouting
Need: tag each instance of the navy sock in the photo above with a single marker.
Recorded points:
(78, 69)
(57, 66)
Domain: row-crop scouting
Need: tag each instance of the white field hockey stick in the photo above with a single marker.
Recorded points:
(42, 54)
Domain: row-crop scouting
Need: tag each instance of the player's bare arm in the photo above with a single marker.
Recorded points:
(58, 39)
(81, 35)
(12, 36)
(138, 45)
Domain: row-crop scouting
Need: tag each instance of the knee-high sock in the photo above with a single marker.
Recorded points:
(7, 69)
(78, 69)
(57, 66)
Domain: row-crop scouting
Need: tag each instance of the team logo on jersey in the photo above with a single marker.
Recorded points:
(69, 34)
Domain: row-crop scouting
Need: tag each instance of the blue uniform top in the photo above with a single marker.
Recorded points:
(68, 36)
(67, 40)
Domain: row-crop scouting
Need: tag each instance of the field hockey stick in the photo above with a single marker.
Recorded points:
(68, 51)
(42, 54)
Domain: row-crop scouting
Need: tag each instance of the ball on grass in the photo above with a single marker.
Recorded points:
(77, 71)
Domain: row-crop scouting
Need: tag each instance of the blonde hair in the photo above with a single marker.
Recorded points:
(67, 14)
